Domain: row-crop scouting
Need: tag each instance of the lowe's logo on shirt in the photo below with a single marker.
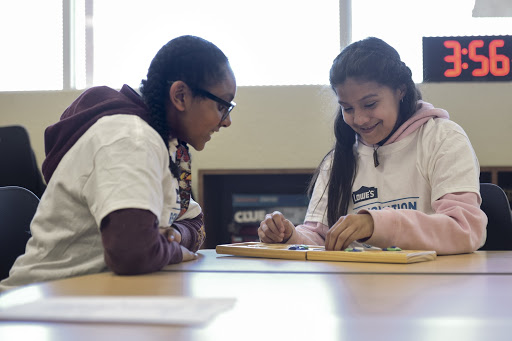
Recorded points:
(364, 193)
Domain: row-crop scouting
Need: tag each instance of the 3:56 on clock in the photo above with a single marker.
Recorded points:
(467, 58)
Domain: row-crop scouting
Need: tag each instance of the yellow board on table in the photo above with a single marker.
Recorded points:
(262, 250)
(315, 252)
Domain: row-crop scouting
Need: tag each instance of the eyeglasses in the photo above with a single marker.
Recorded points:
(226, 106)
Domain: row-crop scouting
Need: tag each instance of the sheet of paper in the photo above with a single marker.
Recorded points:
(120, 309)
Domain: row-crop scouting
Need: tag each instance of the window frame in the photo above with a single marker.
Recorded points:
(72, 29)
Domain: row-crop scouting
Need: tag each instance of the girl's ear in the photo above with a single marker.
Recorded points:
(177, 95)
(403, 91)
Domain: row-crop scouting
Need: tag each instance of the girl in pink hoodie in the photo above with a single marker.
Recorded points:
(400, 174)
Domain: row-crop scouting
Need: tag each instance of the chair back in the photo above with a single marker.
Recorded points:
(17, 208)
(496, 206)
(18, 166)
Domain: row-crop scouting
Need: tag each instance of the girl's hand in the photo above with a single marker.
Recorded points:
(348, 229)
(187, 254)
(275, 228)
(172, 234)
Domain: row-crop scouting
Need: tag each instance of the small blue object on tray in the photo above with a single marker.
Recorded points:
(298, 247)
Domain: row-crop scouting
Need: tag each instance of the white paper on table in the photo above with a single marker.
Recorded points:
(120, 309)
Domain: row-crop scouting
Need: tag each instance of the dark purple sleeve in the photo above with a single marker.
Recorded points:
(133, 244)
(192, 232)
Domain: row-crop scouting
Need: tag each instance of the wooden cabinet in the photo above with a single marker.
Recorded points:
(216, 188)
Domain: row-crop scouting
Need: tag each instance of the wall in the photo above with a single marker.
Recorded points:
(290, 126)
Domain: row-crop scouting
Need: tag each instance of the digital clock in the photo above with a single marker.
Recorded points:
(467, 58)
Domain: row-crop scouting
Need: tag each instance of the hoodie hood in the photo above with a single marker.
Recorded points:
(88, 108)
(420, 117)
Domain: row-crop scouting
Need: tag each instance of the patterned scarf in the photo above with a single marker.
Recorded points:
(185, 179)
(185, 183)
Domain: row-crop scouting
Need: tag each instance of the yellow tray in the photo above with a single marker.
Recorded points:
(314, 252)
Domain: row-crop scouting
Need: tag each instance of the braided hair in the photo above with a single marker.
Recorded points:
(370, 59)
(193, 60)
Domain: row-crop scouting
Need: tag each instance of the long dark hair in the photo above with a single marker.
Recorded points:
(370, 59)
(193, 60)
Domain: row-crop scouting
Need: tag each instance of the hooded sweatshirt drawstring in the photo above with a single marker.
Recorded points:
(375, 156)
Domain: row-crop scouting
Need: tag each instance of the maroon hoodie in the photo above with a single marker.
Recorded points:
(131, 238)
(88, 108)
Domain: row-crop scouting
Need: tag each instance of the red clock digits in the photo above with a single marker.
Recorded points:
(483, 60)
(454, 58)
(496, 58)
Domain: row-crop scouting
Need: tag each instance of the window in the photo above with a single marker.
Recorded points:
(31, 41)
(268, 42)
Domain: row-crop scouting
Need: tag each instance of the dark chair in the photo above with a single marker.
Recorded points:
(18, 166)
(17, 208)
(496, 206)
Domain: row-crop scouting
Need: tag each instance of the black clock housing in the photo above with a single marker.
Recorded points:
(467, 58)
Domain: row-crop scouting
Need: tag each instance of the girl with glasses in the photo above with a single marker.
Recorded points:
(118, 170)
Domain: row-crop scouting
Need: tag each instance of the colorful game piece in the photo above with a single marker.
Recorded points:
(392, 248)
(298, 247)
(354, 249)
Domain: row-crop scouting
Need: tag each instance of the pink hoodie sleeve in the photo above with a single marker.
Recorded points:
(457, 226)
(310, 233)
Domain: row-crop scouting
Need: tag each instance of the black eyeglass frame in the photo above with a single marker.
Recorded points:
(229, 105)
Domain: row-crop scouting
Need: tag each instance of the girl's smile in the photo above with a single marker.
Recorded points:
(369, 108)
